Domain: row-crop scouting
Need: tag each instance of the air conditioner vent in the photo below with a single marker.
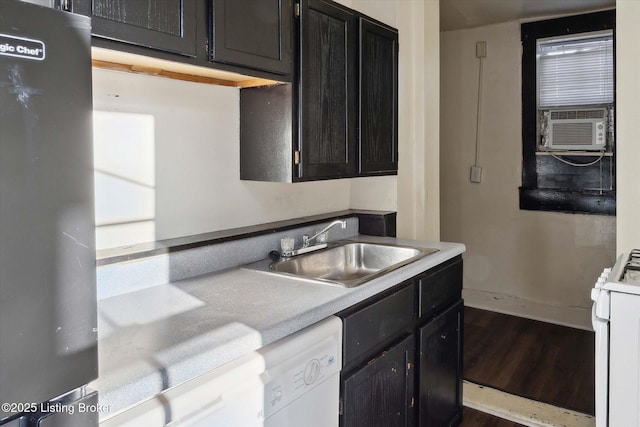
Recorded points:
(578, 114)
(573, 134)
(584, 129)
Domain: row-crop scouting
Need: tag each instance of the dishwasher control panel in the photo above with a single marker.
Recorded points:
(302, 366)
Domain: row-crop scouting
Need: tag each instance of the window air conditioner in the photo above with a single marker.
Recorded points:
(584, 130)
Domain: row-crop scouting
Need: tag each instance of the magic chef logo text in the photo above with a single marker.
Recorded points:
(21, 47)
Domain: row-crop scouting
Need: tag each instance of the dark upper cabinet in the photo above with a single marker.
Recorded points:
(327, 90)
(378, 97)
(166, 25)
(343, 121)
(253, 34)
(380, 394)
(440, 369)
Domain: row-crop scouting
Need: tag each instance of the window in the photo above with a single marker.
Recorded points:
(575, 70)
(568, 105)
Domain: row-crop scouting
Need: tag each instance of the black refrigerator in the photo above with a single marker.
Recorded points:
(48, 331)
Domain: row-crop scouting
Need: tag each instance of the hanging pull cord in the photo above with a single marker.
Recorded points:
(478, 109)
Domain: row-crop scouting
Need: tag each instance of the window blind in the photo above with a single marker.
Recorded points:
(575, 71)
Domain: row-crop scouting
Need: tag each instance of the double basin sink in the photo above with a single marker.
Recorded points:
(347, 264)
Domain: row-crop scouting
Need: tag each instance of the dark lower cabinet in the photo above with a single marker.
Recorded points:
(402, 354)
(253, 34)
(380, 394)
(440, 369)
(369, 329)
(438, 289)
(166, 25)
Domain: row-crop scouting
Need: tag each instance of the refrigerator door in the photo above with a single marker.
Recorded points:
(48, 332)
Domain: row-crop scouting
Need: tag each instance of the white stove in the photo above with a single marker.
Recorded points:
(616, 321)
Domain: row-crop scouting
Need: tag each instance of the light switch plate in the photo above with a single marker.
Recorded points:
(476, 173)
(481, 49)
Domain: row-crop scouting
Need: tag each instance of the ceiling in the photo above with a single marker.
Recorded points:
(458, 14)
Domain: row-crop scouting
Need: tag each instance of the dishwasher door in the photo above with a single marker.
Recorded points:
(317, 409)
(302, 381)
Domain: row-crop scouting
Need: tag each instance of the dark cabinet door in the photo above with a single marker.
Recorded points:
(167, 25)
(378, 112)
(253, 34)
(369, 330)
(381, 393)
(439, 288)
(440, 364)
(327, 91)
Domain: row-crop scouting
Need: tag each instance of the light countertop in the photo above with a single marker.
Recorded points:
(158, 337)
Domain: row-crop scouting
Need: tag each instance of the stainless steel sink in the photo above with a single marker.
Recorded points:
(350, 264)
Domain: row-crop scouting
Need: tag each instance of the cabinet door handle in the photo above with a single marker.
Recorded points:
(443, 336)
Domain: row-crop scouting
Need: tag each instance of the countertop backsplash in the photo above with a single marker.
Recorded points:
(130, 276)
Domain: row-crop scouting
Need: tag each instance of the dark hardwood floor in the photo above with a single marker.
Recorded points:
(473, 418)
(537, 360)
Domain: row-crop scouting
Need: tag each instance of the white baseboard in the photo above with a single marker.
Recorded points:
(575, 317)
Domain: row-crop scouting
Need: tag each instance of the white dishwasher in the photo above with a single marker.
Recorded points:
(292, 382)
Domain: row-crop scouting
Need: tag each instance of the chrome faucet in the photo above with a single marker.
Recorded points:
(306, 240)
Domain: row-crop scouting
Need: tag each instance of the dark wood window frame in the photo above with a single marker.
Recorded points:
(533, 197)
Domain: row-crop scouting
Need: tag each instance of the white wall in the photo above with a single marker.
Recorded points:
(198, 186)
(416, 189)
(382, 189)
(419, 136)
(628, 123)
(536, 264)
(197, 158)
